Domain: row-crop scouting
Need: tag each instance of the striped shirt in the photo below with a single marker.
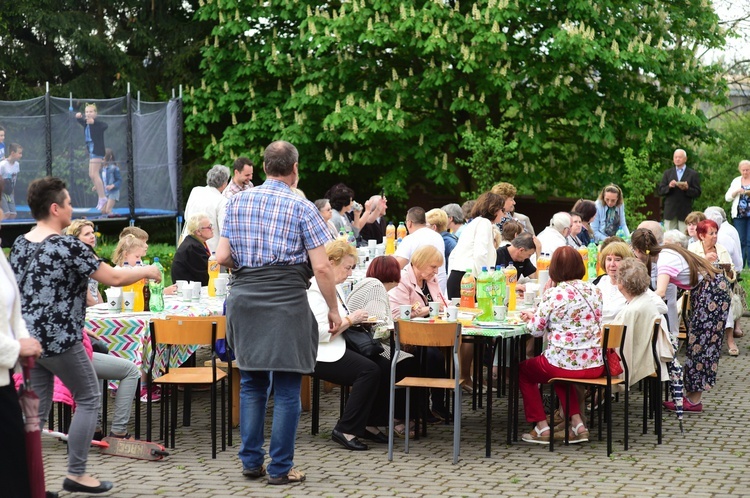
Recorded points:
(271, 225)
(233, 188)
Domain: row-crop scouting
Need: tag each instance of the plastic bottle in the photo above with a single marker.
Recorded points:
(499, 277)
(584, 252)
(156, 301)
(138, 303)
(126, 288)
(401, 231)
(511, 277)
(468, 289)
(214, 268)
(350, 237)
(493, 290)
(484, 297)
(593, 256)
(342, 233)
(543, 261)
(390, 238)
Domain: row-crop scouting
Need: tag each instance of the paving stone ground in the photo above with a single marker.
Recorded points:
(709, 460)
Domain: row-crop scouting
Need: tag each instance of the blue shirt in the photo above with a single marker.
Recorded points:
(271, 225)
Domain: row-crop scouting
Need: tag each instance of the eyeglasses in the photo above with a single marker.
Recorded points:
(209, 227)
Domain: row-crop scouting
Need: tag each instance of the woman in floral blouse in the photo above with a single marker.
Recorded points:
(570, 314)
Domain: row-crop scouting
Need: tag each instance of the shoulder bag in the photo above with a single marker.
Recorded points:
(360, 340)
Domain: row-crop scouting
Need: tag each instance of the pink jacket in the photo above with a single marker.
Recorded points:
(61, 393)
(408, 291)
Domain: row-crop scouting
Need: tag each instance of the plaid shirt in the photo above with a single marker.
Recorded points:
(271, 225)
(233, 188)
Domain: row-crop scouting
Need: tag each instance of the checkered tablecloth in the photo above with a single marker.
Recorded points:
(128, 335)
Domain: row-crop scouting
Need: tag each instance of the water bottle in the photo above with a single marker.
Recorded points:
(350, 237)
(499, 277)
(511, 278)
(156, 301)
(593, 255)
(213, 272)
(484, 298)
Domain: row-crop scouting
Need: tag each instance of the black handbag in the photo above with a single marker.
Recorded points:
(360, 340)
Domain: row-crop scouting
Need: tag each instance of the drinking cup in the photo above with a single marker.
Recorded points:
(452, 314)
(434, 308)
(499, 312)
(181, 284)
(128, 300)
(221, 286)
(405, 311)
(455, 301)
(114, 299)
(187, 294)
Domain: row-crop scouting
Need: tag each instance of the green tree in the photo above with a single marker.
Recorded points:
(638, 183)
(717, 161)
(384, 92)
(94, 49)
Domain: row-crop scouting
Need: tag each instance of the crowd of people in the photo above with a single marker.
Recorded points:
(283, 250)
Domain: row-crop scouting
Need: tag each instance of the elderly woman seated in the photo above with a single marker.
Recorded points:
(638, 316)
(191, 259)
(570, 317)
(419, 286)
(367, 406)
(371, 294)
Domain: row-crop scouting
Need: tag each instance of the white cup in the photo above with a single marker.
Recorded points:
(196, 290)
(405, 311)
(452, 314)
(181, 284)
(372, 247)
(128, 300)
(499, 312)
(528, 296)
(543, 278)
(221, 286)
(187, 294)
(114, 299)
(434, 308)
(455, 301)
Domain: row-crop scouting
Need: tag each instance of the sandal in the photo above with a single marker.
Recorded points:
(536, 436)
(579, 434)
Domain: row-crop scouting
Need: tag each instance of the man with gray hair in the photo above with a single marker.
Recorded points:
(555, 235)
(679, 186)
(655, 228)
(374, 230)
(456, 220)
(727, 236)
(209, 200)
(676, 237)
(521, 248)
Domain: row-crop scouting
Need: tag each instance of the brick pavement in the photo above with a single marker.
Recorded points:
(709, 460)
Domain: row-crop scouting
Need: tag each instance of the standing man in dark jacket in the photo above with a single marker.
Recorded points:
(679, 186)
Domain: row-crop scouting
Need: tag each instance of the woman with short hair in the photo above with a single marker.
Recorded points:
(570, 316)
(191, 258)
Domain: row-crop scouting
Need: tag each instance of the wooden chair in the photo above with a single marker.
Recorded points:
(175, 331)
(446, 335)
(612, 337)
(652, 394)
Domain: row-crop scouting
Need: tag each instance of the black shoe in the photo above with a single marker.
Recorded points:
(442, 414)
(74, 487)
(378, 437)
(350, 444)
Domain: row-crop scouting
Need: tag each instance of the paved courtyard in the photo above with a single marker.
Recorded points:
(710, 459)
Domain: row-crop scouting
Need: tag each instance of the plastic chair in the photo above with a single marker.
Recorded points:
(175, 331)
(446, 335)
(612, 337)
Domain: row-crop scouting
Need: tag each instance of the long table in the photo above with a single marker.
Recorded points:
(509, 336)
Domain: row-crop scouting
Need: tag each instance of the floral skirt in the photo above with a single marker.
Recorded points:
(710, 301)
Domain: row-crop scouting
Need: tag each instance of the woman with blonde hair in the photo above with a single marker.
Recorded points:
(367, 406)
(610, 214)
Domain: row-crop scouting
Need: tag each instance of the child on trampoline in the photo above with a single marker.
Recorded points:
(2, 143)
(93, 132)
(111, 180)
(9, 169)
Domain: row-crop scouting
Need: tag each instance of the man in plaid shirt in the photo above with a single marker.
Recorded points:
(274, 241)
